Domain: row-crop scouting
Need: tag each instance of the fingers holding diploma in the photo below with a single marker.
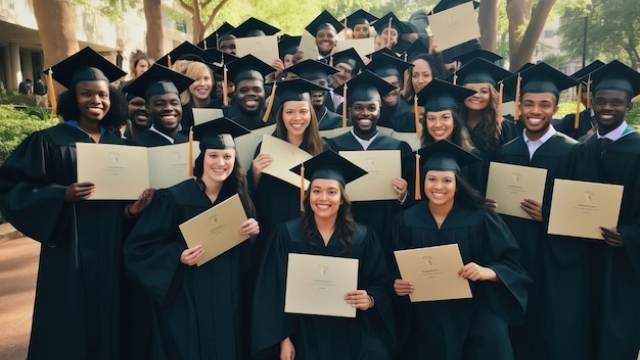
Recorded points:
(190, 256)
(358, 299)
(533, 208)
(79, 191)
(402, 287)
(249, 227)
(612, 236)
(475, 272)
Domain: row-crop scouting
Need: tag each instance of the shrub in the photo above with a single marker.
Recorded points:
(15, 125)
(14, 98)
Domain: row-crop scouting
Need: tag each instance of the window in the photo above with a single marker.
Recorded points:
(548, 34)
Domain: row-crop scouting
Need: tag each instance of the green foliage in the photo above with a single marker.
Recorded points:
(15, 125)
(15, 98)
(112, 9)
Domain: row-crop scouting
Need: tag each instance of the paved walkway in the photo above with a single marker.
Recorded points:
(18, 269)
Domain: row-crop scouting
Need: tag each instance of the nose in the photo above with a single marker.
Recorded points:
(95, 98)
(220, 160)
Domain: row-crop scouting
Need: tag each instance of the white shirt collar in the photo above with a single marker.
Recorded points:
(171, 140)
(614, 134)
(365, 143)
(533, 145)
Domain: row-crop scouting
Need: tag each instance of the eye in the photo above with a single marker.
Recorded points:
(316, 191)
(228, 157)
(333, 192)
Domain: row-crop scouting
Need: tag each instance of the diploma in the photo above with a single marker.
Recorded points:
(264, 48)
(361, 46)
(331, 133)
(510, 184)
(285, 156)
(454, 26)
(433, 271)
(409, 137)
(579, 208)
(316, 285)
(204, 115)
(169, 165)
(384, 130)
(216, 229)
(308, 46)
(246, 144)
(382, 166)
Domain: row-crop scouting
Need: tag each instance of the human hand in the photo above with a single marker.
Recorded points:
(358, 299)
(190, 256)
(143, 201)
(402, 287)
(492, 204)
(533, 208)
(287, 351)
(475, 272)
(612, 237)
(258, 164)
(400, 187)
(79, 191)
(298, 56)
(433, 47)
(249, 227)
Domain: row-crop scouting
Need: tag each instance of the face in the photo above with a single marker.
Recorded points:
(165, 111)
(317, 97)
(228, 46)
(583, 95)
(343, 75)
(201, 88)
(249, 95)
(93, 100)
(325, 198)
(364, 115)
(138, 114)
(421, 75)
(296, 116)
(391, 99)
(218, 164)
(288, 61)
(361, 31)
(480, 100)
(440, 124)
(326, 41)
(389, 37)
(537, 110)
(141, 67)
(377, 43)
(440, 187)
(610, 108)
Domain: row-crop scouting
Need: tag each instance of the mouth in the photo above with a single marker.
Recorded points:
(438, 195)
(323, 207)
(326, 44)
(475, 101)
(168, 118)
(606, 116)
(251, 103)
(95, 110)
(534, 121)
(220, 171)
(365, 122)
(297, 126)
(202, 91)
(439, 133)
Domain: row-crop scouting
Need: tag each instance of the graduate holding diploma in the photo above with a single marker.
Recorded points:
(465, 329)
(200, 312)
(325, 228)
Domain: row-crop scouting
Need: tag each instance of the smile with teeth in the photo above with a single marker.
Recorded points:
(323, 206)
(534, 120)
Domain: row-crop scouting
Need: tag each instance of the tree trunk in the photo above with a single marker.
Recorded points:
(57, 31)
(154, 37)
(532, 34)
(488, 20)
(518, 12)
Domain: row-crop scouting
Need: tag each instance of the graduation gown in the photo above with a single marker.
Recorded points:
(150, 138)
(615, 272)
(199, 311)
(375, 214)
(77, 305)
(474, 328)
(329, 120)
(399, 117)
(251, 123)
(368, 336)
(566, 124)
(557, 313)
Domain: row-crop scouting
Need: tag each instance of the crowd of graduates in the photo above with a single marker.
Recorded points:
(118, 281)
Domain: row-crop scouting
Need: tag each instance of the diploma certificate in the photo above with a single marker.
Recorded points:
(285, 156)
(454, 26)
(382, 166)
(510, 184)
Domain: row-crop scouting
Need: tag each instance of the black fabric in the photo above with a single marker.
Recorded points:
(250, 122)
(566, 124)
(150, 138)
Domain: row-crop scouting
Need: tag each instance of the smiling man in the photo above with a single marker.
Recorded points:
(348, 63)
(325, 27)
(556, 315)
(160, 87)
(139, 120)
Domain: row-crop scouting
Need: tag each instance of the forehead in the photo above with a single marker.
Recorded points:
(250, 83)
(325, 183)
(421, 65)
(325, 32)
(439, 113)
(361, 27)
(164, 97)
(539, 97)
(611, 94)
(365, 103)
(441, 173)
(93, 84)
(137, 99)
(228, 151)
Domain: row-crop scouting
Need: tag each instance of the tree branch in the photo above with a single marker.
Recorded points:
(206, 3)
(214, 13)
(185, 6)
(532, 33)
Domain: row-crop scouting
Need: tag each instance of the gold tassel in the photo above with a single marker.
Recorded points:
(344, 106)
(225, 89)
(218, 45)
(190, 171)
(416, 116)
(389, 32)
(516, 111)
(346, 33)
(418, 193)
(589, 92)
(272, 98)
(51, 93)
(302, 188)
(500, 94)
(169, 61)
(576, 120)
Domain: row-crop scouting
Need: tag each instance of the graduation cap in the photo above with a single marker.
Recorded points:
(360, 17)
(211, 41)
(288, 45)
(220, 57)
(616, 76)
(327, 165)
(158, 80)
(448, 4)
(296, 90)
(254, 27)
(584, 77)
(185, 51)
(480, 71)
(386, 65)
(350, 57)
(365, 86)
(383, 51)
(441, 155)
(391, 20)
(85, 65)
(248, 67)
(441, 95)
(585, 71)
(544, 78)
(324, 21)
(478, 53)
(312, 70)
(416, 49)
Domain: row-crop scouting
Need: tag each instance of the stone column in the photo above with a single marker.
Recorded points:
(16, 69)
(8, 78)
(27, 65)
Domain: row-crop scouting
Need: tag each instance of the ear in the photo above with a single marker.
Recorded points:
(629, 106)
(555, 109)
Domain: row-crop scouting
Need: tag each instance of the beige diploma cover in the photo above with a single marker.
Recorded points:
(122, 172)
(382, 166)
(285, 156)
(204, 115)
(264, 48)
(579, 208)
(316, 285)
(308, 46)
(433, 271)
(510, 184)
(409, 137)
(246, 145)
(331, 133)
(454, 26)
(216, 229)
(361, 46)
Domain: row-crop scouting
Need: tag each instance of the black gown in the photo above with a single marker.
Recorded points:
(615, 272)
(375, 214)
(557, 313)
(251, 123)
(150, 138)
(469, 328)
(200, 312)
(329, 120)
(566, 124)
(399, 118)
(368, 336)
(77, 306)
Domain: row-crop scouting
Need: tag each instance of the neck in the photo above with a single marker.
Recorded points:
(136, 129)
(212, 188)
(365, 135)
(441, 210)
(169, 132)
(533, 136)
(603, 130)
(474, 117)
(325, 226)
(295, 139)
(200, 103)
(90, 127)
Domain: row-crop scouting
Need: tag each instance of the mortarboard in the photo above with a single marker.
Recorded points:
(366, 86)
(380, 52)
(85, 65)
(288, 45)
(543, 78)
(254, 27)
(416, 49)
(296, 90)
(248, 67)
(312, 70)
(585, 71)
(360, 17)
(217, 133)
(220, 57)
(324, 21)
(211, 41)
(478, 53)
(441, 95)
(616, 76)
(386, 65)
(185, 51)
(448, 4)
(584, 77)
(391, 20)
(350, 57)
(480, 70)
(158, 80)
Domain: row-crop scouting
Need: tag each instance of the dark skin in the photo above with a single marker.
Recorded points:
(138, 115)
(364, 116)
(250, 96)
(165, 112)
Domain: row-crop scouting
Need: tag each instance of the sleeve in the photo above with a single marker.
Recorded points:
(29, 198)
(250, 181)
(152, 250)
(501, 254)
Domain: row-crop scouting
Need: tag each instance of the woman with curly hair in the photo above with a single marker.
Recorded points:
(325, 229)
(139, 63)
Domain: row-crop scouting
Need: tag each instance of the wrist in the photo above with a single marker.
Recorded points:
(372, 301)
